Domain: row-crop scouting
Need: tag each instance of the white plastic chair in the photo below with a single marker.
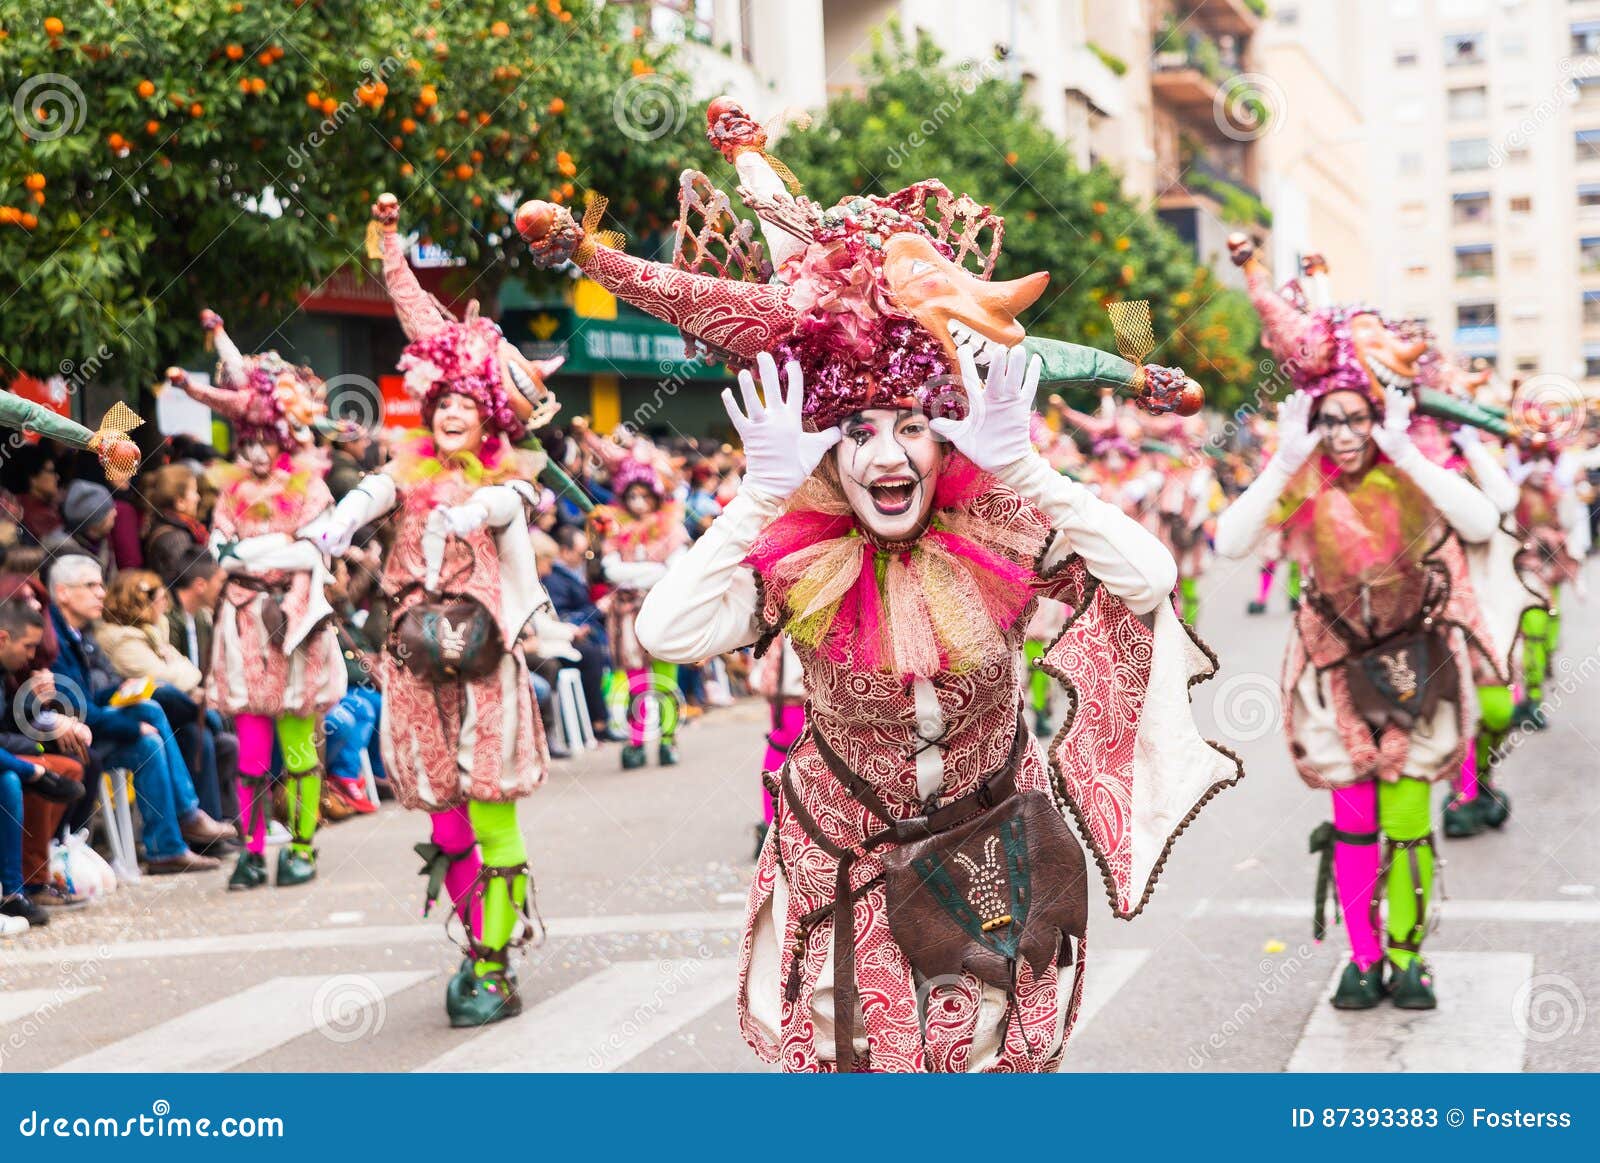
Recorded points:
(116, 811)
(368, 780)
(572, 711)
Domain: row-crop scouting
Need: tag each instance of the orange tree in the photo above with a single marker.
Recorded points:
(918, 117)
(157, 156)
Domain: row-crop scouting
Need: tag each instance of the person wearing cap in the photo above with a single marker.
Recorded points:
(87, 514)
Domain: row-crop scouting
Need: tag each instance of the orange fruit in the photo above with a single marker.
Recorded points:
(329, 106)
(196, 109)
(441, 153)
(314, 99)
(258, 85)
(463, 171)
(152, 127)
(116, 141)
(234, 52)
(397, 141)
(38, 197)
(408, 126)
(463, 116)
(429, 96)
(244, 84)
(147, 89)
(477, 156)
(28, 221)
(557, 106)
(264, 59)
(53, 26)
(406, 170)
(499, 28)
(34, 182)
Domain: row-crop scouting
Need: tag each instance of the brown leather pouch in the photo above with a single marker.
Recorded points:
(448, 640)
(1402, 680)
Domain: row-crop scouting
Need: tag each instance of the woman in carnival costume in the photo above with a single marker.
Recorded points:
(460, 735)
(920, 897)
(1377, 695)
(276, 666)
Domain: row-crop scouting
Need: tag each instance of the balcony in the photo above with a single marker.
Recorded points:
(1228, 198)
(1091, 76)
(1189, 69)
(1229, 17)
(1476, 339)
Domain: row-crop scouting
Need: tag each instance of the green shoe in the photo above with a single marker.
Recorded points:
(493, 997)
(1041, 725)
(1412, 988)
(250, 872)
(1357, 990)
(295, 867)
(1463, 818)
(1528, 714)
(633, 758)
(1256, 608)
(1494, 806)
(761, 839)
(668, 755)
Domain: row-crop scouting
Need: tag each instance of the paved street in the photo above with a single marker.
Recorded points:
(642, 878)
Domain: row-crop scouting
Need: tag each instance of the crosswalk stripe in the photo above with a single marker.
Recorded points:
(1107, 971)
(18, 1004)
(343, 936)
(1509, 911)
(1474, 1030)
(603, 1022)
(249, 1023)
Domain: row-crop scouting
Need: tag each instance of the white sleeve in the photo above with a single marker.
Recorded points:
(372, 497)
(1470, 513)
(1242, 524)
(503, 503)
(631, 575)
(1491, 477)
(1122, 553)
(705, 605)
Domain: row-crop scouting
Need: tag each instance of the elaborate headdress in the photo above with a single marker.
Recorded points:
(872, 296)
(467, 356)
(265, 397)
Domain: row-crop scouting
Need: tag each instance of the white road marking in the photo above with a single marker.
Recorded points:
(249, 1023)
(1475, 1029)
(603, 1022)
(427, 933)
(1107, 972)
(18, 1004)
(1534, 912)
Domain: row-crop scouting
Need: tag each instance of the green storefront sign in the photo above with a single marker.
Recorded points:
(633, 345)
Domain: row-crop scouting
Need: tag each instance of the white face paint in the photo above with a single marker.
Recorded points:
(257, 457)
(888, 463)
(457, 425)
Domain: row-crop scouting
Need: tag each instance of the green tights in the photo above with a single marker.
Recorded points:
(1403, 818)
(1038, 680)
(1189, 598)
(297, 738)
(500, 841)
(1537, 634)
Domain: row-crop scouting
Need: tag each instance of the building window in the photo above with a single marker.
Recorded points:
(1472, 153)
(1522, 204)
(1586, 38)
(1471, 209)
(1517, 155)
(1591, 308)
(1474, 314)
(1527, 363)
(1288, 17)
(1470, 104)
(1463, 49)
(1474, 262)
(1589, 200)
(1523, 261)
(1417, 270)
(1589, 254)
(1591, 362)
(1405, 58)
(1587, 143)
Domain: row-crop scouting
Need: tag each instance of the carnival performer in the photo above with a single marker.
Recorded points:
(779, 678)
(460, 735)
(1187, 494)
(1270, 552)
(1377, 699)
(639, 539)
(904, 570)
(276, 666)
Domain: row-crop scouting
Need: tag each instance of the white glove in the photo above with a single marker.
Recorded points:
(779, 454)
(1296, 438)
(461, 520)
(995, 432)
(1566, 470)
(1465, 437)
(1393, 436)
(330, 533)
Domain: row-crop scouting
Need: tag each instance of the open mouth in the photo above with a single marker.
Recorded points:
(893, 495)
(1386, 375)
(984, 350)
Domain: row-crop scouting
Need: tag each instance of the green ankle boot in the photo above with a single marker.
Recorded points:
(633, 758)
(1357, 990)
(1041, 725)
(250, 872)
(472, 999)
(1494, 806)
(295, 867)
(1463, 818)
(668, 755)
(1412, 987)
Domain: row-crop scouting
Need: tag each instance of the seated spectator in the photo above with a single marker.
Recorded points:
(133, 633)
(194, 585)
(35, 788)
(567, 583)
(135, 736)
(34, 479)
(351, 726)
(88, 514)
(172, 532)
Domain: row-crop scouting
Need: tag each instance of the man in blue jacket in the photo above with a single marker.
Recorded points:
(567, 583)
(137, 736)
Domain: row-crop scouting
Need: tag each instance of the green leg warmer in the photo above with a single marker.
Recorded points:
(1494, 720)
(1294, 581)
(1038, 680)
(666, 685)
(1535, 653)
(1403, 819)
(500, 841)
(1552, 638)
(297, 736)
(1189, 598)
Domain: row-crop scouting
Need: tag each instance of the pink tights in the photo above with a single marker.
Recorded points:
(1467, 781)
(786, 728)
(255, 759)
(1355, 869)
(452, 831)
(1268, 571)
